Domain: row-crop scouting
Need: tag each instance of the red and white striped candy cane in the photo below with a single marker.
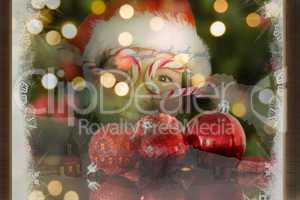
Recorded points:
(169, 64)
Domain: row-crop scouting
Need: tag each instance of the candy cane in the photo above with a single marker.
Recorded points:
(136, 72)
(171, 64)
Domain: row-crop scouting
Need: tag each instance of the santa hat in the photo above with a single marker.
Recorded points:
(176, 32)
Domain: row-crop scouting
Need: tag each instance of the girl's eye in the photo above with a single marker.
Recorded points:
(164, 79)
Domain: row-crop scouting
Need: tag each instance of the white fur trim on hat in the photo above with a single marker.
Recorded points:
(174, 36)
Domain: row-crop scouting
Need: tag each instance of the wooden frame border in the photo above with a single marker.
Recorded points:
(5, 99)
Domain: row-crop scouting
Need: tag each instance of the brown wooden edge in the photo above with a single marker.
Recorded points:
(5, 99)
(292, 139)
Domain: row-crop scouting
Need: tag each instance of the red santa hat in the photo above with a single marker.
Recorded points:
(175, 31)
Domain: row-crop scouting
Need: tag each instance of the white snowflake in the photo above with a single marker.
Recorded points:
(93, 185)
(92, 168)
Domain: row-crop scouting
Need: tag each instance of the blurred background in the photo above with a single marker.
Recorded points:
(238, 34)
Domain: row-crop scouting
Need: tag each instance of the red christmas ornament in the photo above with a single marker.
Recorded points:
(165, 191)
(71, 70)
(115, 189)
(112, 150)
(217, 132)
(160, 136)
(59, 109)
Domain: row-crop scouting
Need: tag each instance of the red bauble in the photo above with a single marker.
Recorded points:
(217, 132)
(160, 136)
(112, 150)
(164, 191)
(215, 191)
(71, 70)
(115, 189)
(58, 109)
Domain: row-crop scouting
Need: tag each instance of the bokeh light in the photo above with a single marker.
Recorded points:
(124, 62)
(49, 81)
(239, 109)
(53, 38)
(217, 29)
(34, 26)
(36, 195)
(186, 169)
(221, 6)
(126, 11)
(121, 89)
(108, 80)
(60, 73)
(69, 30)
(53, 4)
(270, 128)
(78, 83)
(98, 7)
(125, 39)
(198, 80)
(38, 4)
(71, 195)
(157, 23)
(253, 20)
(182, 58)
(55, 188)
(266, 96)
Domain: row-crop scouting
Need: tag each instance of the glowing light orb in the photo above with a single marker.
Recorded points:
(53, 38)
(221, 6)
(218, 29)
(98, 7)
(157, 23)
(266, 96)
(123, 62)
(60, 73)
(55, 188)
(34, 26)
(126, 11)
(182, 59)
(49, 81)
(186, 169)
(121, 89)
(239, 109)
(53, 4)
(198, 80)
(36, 195)
(69, 31)
(253, 20)
(78, 83)
(38, 4)
(71, 195)
(270, 128)
(125, 39)
(108, 80)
